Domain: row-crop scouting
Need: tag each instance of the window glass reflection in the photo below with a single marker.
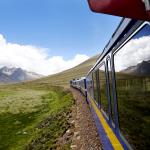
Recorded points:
(110, 89)
(89, 83)
(103, 92)
(95, 86)
(132, 67)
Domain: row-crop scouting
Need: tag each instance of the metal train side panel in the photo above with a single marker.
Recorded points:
(109, 140)
(109, 129)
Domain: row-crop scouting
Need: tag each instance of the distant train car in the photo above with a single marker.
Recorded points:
(79, 84)
(117, 88)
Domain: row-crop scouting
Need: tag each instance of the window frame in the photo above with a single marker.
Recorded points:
(97, 88)
(89, 79)
(106, 94)
(118, 129)
(110, 91)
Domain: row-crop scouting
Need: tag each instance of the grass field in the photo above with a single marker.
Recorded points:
(33, 114)
(133, 105)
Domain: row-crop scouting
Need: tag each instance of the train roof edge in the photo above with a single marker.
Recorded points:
(116, 36)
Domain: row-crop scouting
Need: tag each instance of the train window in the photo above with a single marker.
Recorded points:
(95, 87)
(90, 85)
(132, 71)
(110, 88)
(103, 90)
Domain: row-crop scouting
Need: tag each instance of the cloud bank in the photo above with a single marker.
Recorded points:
(34, 59)
(134, 52)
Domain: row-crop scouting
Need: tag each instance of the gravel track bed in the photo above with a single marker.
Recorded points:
(85, 132)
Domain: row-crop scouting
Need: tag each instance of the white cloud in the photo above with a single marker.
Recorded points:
(134, 52)
(34, 59)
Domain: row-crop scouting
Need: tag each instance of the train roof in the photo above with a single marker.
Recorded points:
(137, 9)
(120, 33)
(79, 79)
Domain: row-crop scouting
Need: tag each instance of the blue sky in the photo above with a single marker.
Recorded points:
(65, 27)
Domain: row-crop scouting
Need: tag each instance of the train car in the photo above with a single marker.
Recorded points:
(117, 88)
(79, 84)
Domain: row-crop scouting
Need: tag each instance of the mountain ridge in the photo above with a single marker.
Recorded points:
(63, 78)
(142, 68)
(14, 75)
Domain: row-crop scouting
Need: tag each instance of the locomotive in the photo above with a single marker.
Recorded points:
(117, 88)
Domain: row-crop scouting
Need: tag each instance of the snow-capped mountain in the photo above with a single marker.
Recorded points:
(142, 68)
(13, 75)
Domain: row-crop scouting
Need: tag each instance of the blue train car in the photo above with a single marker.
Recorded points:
(117, 88)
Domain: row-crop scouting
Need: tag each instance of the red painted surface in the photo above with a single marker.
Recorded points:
(124, 8)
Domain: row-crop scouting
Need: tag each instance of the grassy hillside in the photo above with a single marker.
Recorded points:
(63, 78)
(33, 115)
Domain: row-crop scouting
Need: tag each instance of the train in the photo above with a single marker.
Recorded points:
(117, 88)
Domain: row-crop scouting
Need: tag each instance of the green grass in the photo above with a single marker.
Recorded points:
(24, 108)
(33, 114)
(133, 104)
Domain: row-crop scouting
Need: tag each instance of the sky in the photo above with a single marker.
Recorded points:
(137, 47)
(48, 36)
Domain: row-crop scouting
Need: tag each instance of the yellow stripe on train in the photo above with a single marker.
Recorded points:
(112, 137)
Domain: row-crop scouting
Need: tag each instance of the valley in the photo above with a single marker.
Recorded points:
(33, 114)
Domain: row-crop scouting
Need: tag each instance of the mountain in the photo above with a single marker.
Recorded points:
(63, 78)
(13, 75)
(142, 68)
